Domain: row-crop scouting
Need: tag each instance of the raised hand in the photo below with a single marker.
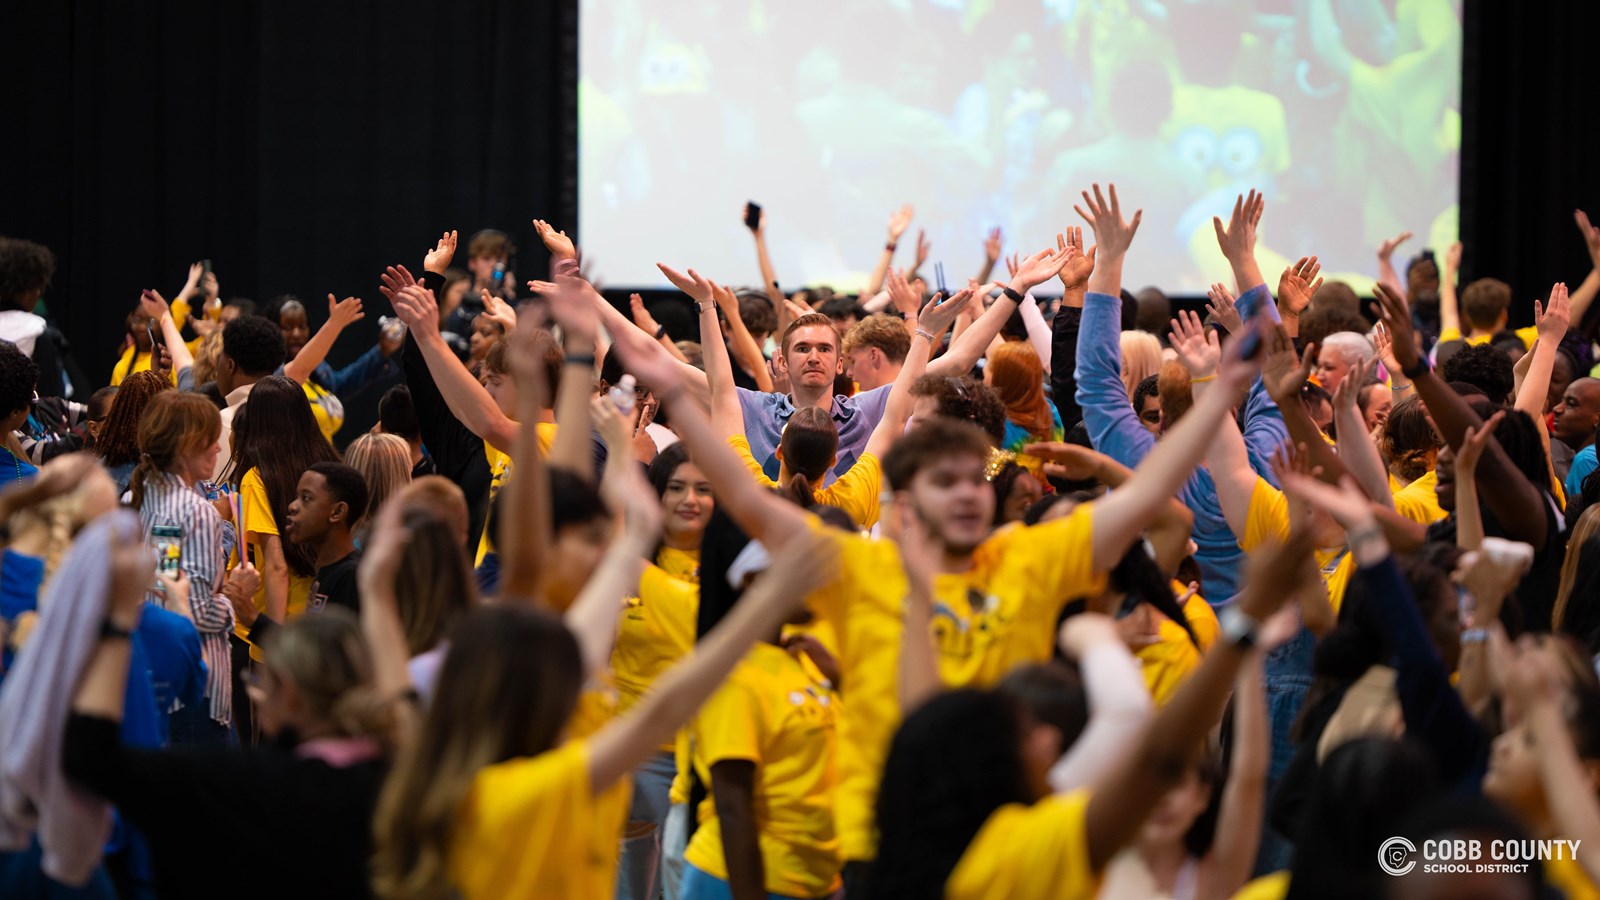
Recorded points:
(392, 280)
(1014, 262)
(1472, 447)
(1297, 284)
(344, 313)
(761, 222)
(438, 259)
(1238, 240)
(644, 357)
(1385, 346)
(641, 315)
(692, 284)
(1386, 249)
(571, 308)
(904, 297)
(557, 242)
(1591, 235)
(415, 305)
(498, 311)
(1286, 371)
(1222, 309)
(992, 246)
(726, 300)
(1553, 319)
(1346, 503)
(899, 221)
(1197, 346)
(1037, 269)
(941, 314)
(923, 248)
(152, 305)
(1394, 312)
(1452, 255)
(1111, 231)
(1080, 265)
(1077, 463)
(191, 288)
(1346, 395)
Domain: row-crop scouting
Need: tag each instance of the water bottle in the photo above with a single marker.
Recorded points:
(392, 327)
(622, 396)
(499, 275)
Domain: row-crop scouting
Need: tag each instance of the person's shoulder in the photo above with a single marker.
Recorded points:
(165, 628)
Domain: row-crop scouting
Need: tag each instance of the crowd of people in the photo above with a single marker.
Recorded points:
(883, 595)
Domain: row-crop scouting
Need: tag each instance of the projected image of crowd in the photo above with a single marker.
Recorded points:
(907, 593)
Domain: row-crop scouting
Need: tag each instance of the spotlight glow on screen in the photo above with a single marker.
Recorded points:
(983, 114)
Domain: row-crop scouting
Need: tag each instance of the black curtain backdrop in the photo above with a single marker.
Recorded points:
(299, 146)
(303, 146)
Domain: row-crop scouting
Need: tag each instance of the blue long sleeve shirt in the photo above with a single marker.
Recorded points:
(1115, 431)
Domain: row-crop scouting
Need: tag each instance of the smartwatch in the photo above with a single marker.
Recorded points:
(1237, 628)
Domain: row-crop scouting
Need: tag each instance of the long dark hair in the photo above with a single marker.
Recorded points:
(1137, 577)
(119, 441)
(954, 761)
(276, 434)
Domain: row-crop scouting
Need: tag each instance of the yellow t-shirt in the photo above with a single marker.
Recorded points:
(1569, 876)
(655, 632)
(771, 713)
(1528, 336)
(1168, 663)
(258, 518)
(499, 471)
(1038, 852)
(998, 615)
(683, 565)
(1267, 887)
(856, 491)
(528, 828)
(1419, 500)
(1269, 520)
(132, 362)
(326, 407)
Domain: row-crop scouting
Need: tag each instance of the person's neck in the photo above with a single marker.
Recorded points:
(953, 563)
(416, 452)
(683, 542)
(336, 546)
(1164, 860)
(244, 381)
(887, 376)
(802, 396)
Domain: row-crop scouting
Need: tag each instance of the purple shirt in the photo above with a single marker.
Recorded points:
(765, 415)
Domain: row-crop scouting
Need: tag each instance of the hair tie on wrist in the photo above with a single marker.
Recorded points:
(1203, 379)
(889, 246)
(578, 359)
(920, 333)
(1417, 371)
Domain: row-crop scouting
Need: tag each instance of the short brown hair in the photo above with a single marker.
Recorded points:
(962, 397)
(1175, 391)
(809, 320)
(882, 331)
(490, 243)
(495, 362)
(932, 440)
(1483, 302)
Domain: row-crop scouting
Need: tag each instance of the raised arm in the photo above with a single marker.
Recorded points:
(1552, 321)
(1469, 517)
(1238, 241)
(1119, 703)
(1064, 328)
(341, 315)
(919, 667)
(899, 221)
(1356, 449)
(1539, 686)
(580, 328)
(467, 399)
(648, 324)
(153, 305)
(1169, 530)
(1121, 800)
(1515, 501)
(743, 343)
(769, 275)
(1123, 514)
(1387, 276)
(1449, 309)
(380, 611)
(799, 566)
(991, 255)
(524, 519)
(593, 616)
(931, 320)
(1225, 454)
(1238, 832)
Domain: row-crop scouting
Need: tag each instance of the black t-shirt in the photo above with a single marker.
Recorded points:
(336, 585)
(1535, 595)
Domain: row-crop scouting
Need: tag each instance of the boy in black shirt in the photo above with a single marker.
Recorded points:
(329, 500)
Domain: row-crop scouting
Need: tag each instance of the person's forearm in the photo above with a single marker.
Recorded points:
(1247, 274)
(1169, 533)
(617, 323)
(899, 404)
(1360, 456)
(1108, 413)
(1536, 384)
(741, 848)
(313, 353)
(727, 417)
(919, 669)
(1239, 819)
(524, 522)
(1449, 311)
(570, 449)
(1038, 331)
(1469, 516)
(762, 515)
(1515, 502)
(971, 343)
(1389, 278)
(746, 349)
(176, 348)
(885, 259)
(593, 615)
(1228, 461)
(1303, 431)
(1064, 363)
(1119, 708)
(769, 284)
(1573, 810)
(1583, 295)
(1107, 275)
(1473, 681)
(104, 685)
(468, 400)
(275, 575)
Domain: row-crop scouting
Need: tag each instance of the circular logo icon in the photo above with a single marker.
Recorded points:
(1397, 856)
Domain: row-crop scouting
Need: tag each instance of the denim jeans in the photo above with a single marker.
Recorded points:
(697, 885)
(638, 872)
(674, 840)
(1288, 676)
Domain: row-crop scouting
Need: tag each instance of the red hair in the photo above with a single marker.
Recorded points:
(1018, 377)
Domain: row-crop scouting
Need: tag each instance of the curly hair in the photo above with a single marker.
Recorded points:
(1484, 367)
(25, 267)
(119, 442)
(19, 375)
(255, 344)
(961, 397)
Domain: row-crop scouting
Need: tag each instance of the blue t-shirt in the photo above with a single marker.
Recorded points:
(1583, 463)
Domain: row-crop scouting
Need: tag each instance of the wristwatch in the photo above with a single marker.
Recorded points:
(1237, 628)
(1012, 293)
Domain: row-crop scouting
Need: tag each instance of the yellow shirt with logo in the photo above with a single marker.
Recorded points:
(998, 615)
(771, 713)
(499, 471)
(1038, 852)
(1269, 521)
(856, 491)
